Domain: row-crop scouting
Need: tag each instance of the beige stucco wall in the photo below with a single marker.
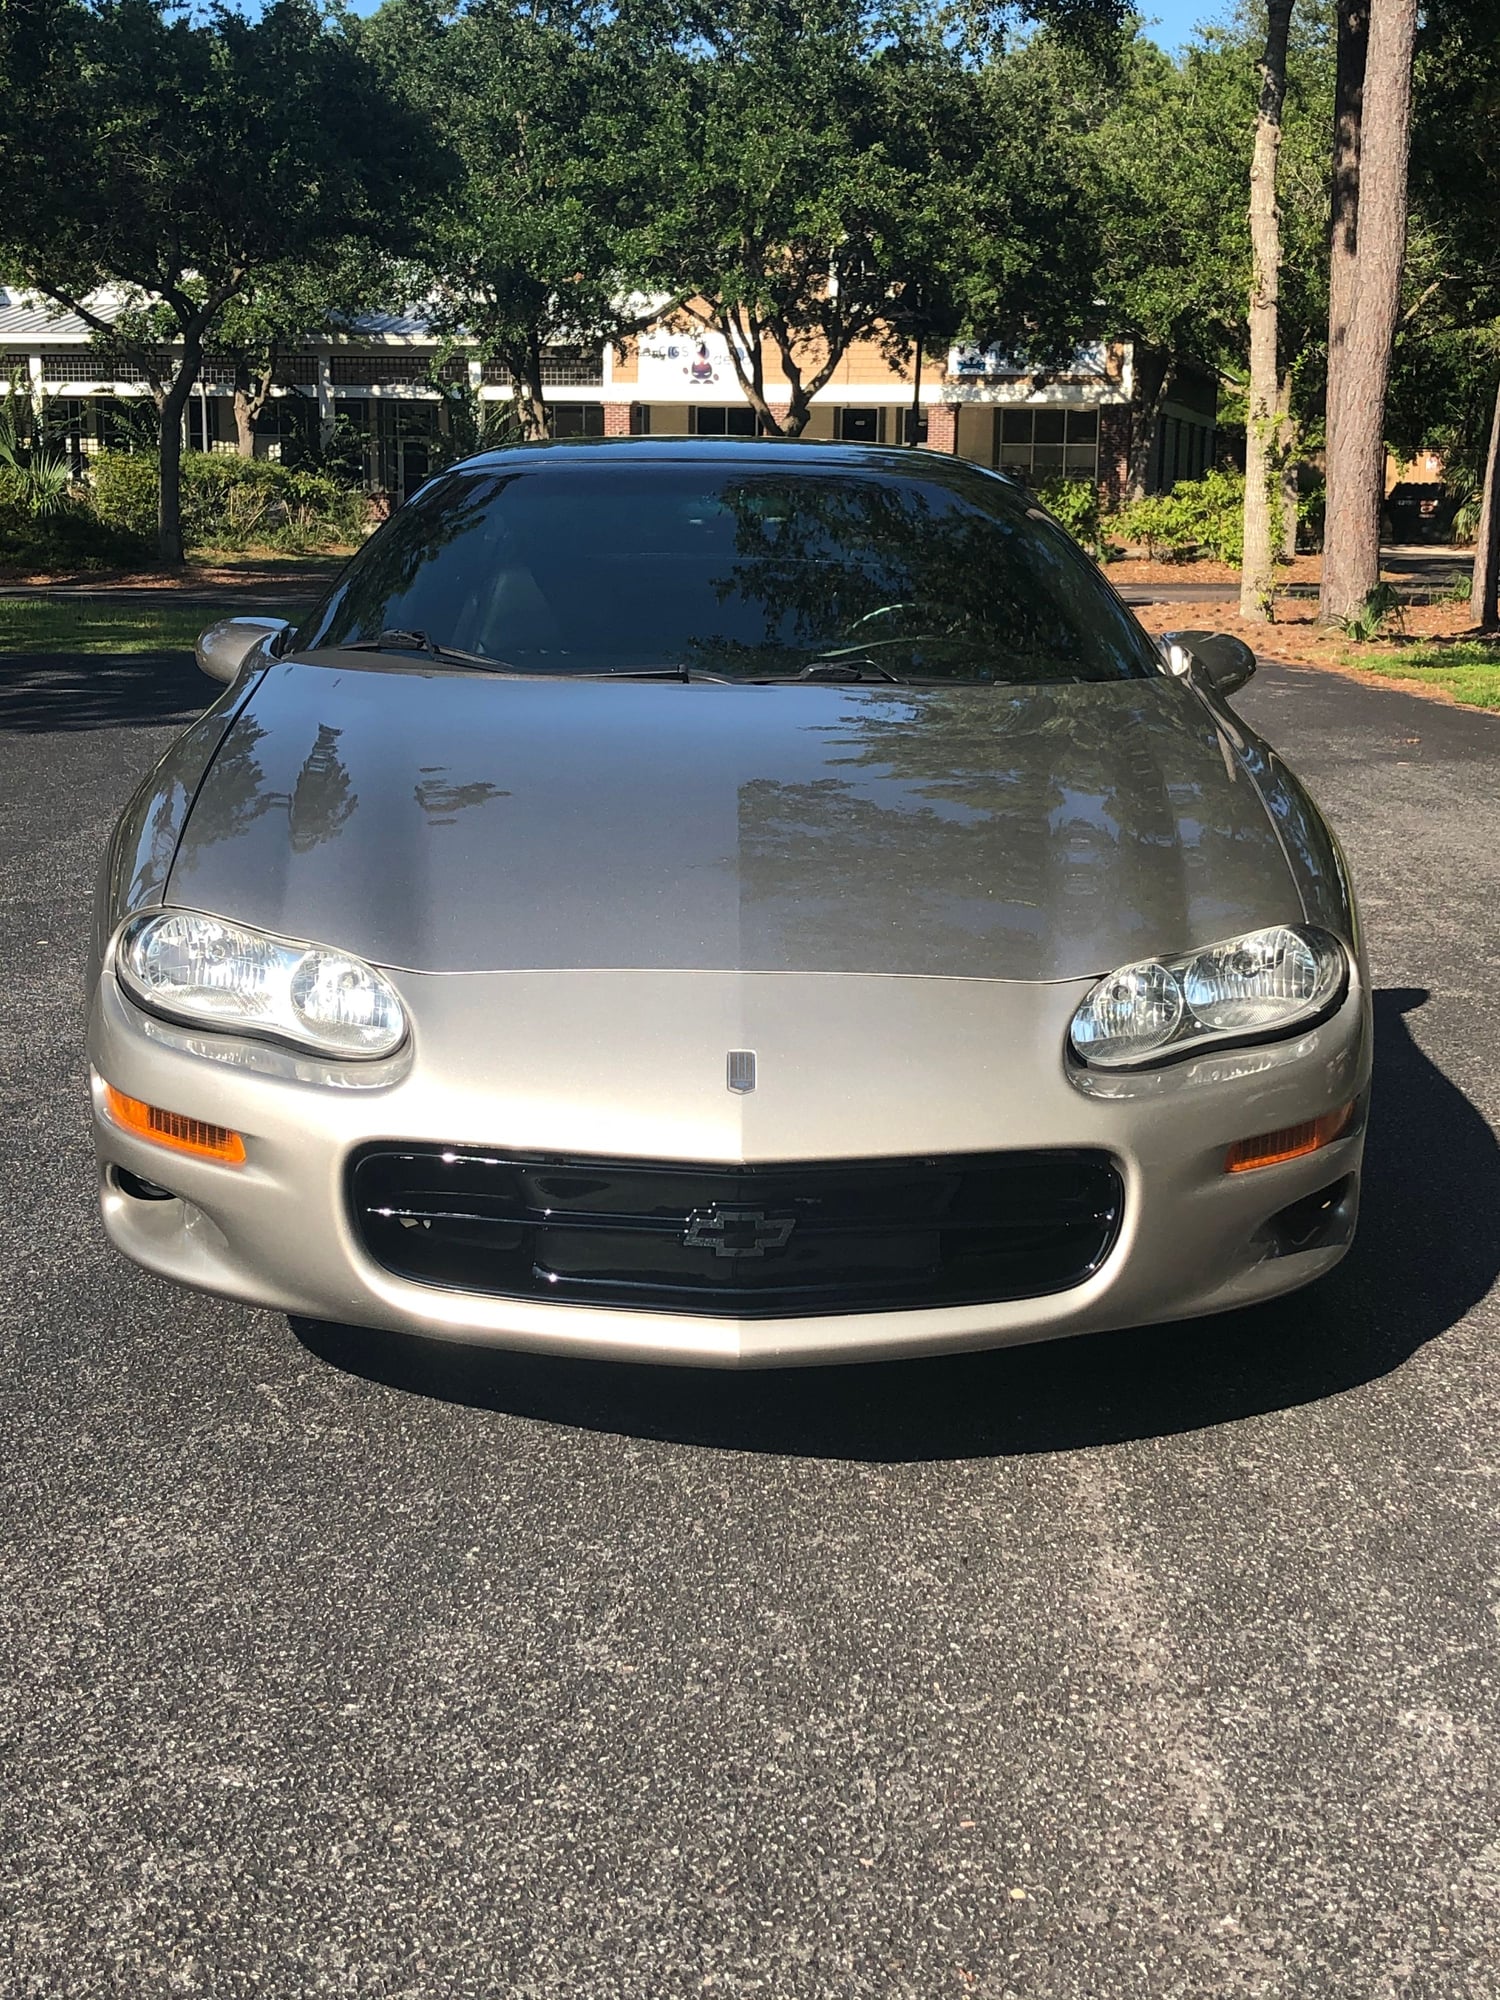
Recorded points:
(976, 433)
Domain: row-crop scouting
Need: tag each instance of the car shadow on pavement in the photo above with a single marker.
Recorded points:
(1427, 1250)
(42, 693)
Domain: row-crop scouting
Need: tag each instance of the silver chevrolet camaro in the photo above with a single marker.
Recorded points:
(727, 903)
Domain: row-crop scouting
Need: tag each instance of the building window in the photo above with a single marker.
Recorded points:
(91, 367)
(578, 369)
(857, 426)
(1045, 444)
(577, 420)
(1184, 450)
(355, 370)
(722, 420)
(640, 420)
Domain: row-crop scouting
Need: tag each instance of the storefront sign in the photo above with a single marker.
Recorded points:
(985, 364)
(682, 367)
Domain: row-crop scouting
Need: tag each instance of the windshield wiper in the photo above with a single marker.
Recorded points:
(681, 672)
(840, 668)
(398, 639)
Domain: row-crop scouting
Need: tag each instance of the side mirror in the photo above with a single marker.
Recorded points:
(1220, 660)
(224, 648)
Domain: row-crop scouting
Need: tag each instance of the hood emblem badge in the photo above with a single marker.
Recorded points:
(740, 1075)
(737, 1232)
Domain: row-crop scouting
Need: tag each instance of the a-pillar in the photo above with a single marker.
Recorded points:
(617, 420)
(942, 427)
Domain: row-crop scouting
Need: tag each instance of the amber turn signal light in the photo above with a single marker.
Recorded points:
(1269, 1149)
(170, 1128)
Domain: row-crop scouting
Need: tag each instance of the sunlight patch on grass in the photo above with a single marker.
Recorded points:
(58, 625)
(1468, 670)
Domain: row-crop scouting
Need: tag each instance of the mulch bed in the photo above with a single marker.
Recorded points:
(252, 573)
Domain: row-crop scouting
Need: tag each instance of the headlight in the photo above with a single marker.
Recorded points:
(1259, 984)
(221, 975)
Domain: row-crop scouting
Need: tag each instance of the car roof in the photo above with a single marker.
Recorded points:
(748, 452)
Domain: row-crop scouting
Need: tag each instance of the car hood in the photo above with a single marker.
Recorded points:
(462, 822)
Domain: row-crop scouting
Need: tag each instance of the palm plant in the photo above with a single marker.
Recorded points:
(36, 477)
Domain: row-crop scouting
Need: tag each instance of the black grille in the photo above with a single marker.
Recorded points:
(829, 1236)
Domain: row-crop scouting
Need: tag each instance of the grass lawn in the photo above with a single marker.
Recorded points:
(1468, 669)
(55, 625)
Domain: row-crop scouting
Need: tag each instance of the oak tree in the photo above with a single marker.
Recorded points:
(176, 158)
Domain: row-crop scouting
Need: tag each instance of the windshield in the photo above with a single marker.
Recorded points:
(571, 564)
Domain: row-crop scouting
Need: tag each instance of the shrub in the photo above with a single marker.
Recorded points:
(1205, 515)
(1468, 494)
(123, 486)
(1074, 503)
(1380, 613)
(70, 537)
(1213, 513)
(230, 502)
(1152, 523)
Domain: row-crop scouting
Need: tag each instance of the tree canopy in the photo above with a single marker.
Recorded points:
(182, 159)
(796, 177)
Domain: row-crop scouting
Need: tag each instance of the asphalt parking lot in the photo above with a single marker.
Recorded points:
(1152, 1664)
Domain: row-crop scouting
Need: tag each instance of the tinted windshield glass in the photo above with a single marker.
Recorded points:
(574, 564)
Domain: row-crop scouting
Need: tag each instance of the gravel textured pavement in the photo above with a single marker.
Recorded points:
(1152, 1664)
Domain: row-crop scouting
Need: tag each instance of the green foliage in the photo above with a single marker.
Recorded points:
(71, 537)
(230, 502)
(1074, 504)
(1213, 512)
(1470, 506)
(185, 154)
(1446, 367)
(1168, 150)
(470, 424)
(35, 482)
(1152, 523)
(339, 457)
(34, 477)
(1469, 670)
(816, 139)
(1380, 613)
(154, 624)
(1198, 517)
(1312, 503)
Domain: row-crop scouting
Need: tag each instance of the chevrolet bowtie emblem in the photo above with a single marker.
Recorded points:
(737, 1232)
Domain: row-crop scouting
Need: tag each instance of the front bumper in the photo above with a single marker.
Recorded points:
(631, 1065)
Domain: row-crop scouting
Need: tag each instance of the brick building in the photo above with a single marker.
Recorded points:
(381, 377)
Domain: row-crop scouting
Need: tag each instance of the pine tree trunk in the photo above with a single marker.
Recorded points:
(1484, 597)
(1343, 234)
(1263, 425)
(1360, 369)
